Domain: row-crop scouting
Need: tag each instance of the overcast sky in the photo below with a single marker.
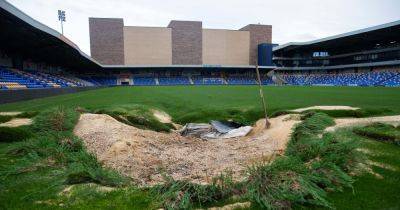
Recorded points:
(291, 20)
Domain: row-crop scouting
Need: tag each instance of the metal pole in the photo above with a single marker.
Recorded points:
(267, 123)
(62, 28)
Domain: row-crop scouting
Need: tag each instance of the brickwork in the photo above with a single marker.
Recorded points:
(107, 40)
(258, 34)
(187, 38)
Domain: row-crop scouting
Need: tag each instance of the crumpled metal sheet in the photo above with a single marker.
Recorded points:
(221, 127)
(215, 130)
(195, 129)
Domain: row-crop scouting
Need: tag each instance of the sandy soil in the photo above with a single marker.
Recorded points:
(325, 108)
(161, 116)
(244, 205)
(144, 155)
(17, 122)
(10, 113)
(348, 122)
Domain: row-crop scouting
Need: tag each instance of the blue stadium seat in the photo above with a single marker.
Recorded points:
(376, 78)
(207, 80)
(144, 81)
(241, 80)
(173, 81)
(101, 80)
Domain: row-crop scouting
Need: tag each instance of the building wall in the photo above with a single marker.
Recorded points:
(147, 46)
(186, 42)
(180, 44)
(258, 34)
(107, 40)
(226, 47)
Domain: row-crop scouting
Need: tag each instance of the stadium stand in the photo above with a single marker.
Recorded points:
(315, 78)
(201, 80)
(100, 80)
(267, 81)
(173, 81)
(144, 81)
(374, 78)
(17, 79)
(10, 79)
(241, 80)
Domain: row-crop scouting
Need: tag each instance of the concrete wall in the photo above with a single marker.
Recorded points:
(186, 42)
(258, 34)
(107, 40)
(9, 96)
(147, 45)
(226, 47)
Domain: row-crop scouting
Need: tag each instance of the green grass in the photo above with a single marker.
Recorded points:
(4, 119)
(312, 166)
(38, 167)
(314, 171)
(381, 132)
(202, 103)
(369, 191)
(8, 134)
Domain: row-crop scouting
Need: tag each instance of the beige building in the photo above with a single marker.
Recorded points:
(153, 46)
(181, 43)
(226, 47)
(147, 45)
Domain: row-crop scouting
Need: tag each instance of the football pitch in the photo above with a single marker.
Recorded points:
(33, 174)
(200, 102)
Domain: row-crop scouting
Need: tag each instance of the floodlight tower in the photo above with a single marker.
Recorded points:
(61, 18)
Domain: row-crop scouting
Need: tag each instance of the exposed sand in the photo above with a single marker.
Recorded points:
(144, 155)
(161, 116)
(348, 122)
(325, 108)
(17, 122)
(244, 205)
(10, 113)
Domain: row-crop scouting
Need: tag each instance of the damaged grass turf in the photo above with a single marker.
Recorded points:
(380, 132)
(139, 116)
(54, 152)
(311, 167)
(357, 113)
(6, 118)
(14, 134)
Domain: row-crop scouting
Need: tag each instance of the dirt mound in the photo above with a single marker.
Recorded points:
(348, 122)
(144, 155)
(17, 122)
(325, 108)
